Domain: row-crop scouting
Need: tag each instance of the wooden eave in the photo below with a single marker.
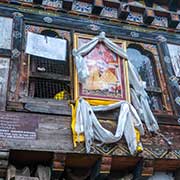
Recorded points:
(96, 9)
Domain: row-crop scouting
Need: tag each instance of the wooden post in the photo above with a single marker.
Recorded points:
(16, 55)
(169, 73)
(177, 174)
(58, 165)
(102, 168)
(143, 170)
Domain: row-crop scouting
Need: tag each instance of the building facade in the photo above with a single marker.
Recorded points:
(39, 86)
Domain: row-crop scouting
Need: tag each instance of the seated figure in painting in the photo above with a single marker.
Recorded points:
(104, 71)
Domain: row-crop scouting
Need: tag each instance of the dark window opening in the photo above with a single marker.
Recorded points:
(42, 88)
(144, 62)
(43, 65)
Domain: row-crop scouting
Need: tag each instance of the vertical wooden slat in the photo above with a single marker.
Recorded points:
(16, 56)
(4, 72)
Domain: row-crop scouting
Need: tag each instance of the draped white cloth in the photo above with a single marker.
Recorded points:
(86, 121)
(140, 99)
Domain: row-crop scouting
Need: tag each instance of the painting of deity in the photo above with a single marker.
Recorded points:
(107, 73)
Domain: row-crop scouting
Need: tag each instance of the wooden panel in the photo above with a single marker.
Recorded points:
(48, 106)
(53, 133)
(6, 32)
(123, 163)
(172, 133)
(166, 165)
(4, 72)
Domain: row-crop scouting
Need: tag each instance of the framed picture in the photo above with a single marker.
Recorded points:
(108, 72)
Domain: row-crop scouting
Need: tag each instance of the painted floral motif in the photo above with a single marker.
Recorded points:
(52, 3)
(160, 21)
(82, 7)
(109, 12)
(136, 17)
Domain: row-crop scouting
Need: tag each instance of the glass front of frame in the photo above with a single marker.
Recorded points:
(108, 73)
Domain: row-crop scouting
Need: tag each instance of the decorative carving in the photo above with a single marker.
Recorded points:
(18, 14)
(82, 7)
(52, 3)
(134, 34)
(17, 34)
(93, 27)
(167, 59)
(161, 38)
(109, 12)
(48, 20)
(15, 53)
(135, 17)
(177, 100)
(160, 21)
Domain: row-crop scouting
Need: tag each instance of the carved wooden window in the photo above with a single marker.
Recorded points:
(48, 78)
(146, 60)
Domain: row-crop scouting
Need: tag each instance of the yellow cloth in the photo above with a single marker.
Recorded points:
(138, 137)
(81, 137)
(59, 96)
(76, 138)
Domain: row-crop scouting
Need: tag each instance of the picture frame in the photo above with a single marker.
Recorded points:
(108, 72)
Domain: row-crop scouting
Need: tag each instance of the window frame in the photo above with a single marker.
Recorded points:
(125, 71)
(167, 107)
(34, 75)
